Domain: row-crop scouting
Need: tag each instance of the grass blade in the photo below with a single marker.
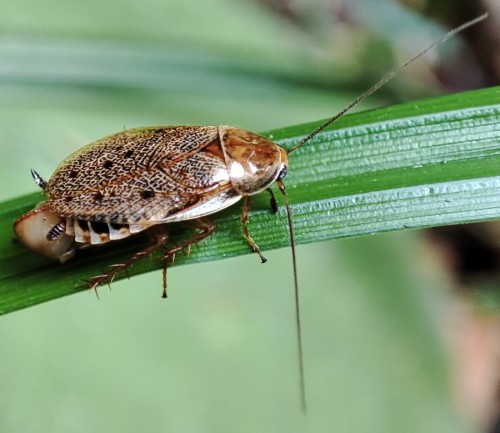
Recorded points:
(421, 164)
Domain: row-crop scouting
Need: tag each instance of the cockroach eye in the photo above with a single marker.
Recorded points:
(282, 173)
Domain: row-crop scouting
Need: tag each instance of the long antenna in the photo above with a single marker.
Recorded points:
(302, 381)
(384, 80)
(388, 77)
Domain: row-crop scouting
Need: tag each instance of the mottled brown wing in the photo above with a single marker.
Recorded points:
(141, 176)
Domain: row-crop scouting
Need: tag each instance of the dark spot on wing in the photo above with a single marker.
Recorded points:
(147, 194)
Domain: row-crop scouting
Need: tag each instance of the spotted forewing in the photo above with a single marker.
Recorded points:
(143, 176)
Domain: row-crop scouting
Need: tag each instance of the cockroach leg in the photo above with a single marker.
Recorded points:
(164, 293)
(244, 221)
(205, 227)
(272, 198)
(172, 261)
(160, 239)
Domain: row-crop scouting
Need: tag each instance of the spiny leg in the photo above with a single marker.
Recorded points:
(160, 239)
(205, 227)
(244, 221)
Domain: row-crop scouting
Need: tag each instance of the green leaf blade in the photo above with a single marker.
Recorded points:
(423, 164)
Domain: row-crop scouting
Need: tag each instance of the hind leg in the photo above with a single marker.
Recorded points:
(205, 228)
(160, 237)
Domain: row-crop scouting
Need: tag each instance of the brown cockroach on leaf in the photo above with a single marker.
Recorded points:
(142, 179)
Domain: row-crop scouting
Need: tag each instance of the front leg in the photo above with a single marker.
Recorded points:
(244, 221)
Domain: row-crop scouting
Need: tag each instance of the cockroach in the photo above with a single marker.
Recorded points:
(142, 179)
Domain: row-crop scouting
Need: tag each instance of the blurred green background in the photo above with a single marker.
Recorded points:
(219, 354)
